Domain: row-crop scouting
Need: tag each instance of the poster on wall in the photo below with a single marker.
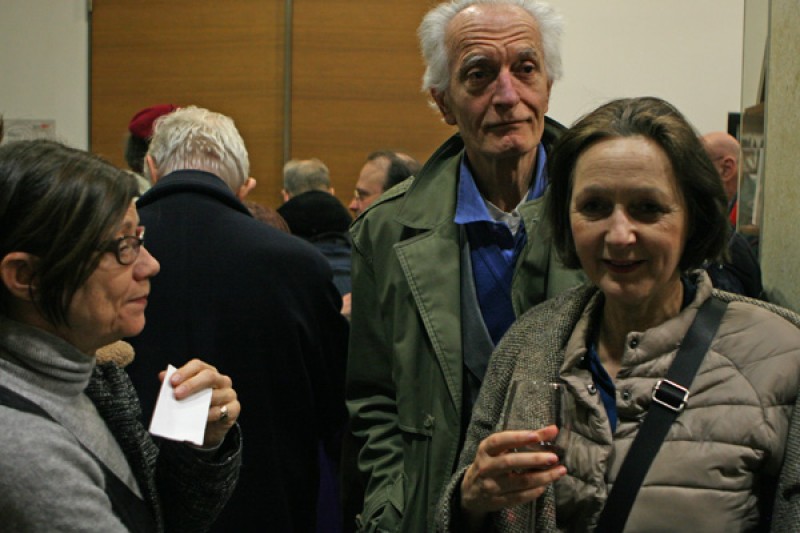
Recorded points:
(17, 129)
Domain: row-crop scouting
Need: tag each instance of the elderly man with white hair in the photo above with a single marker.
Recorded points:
(249, 299)
(445, 262)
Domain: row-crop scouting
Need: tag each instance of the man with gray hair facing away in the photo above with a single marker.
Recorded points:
(444, 263)
(303, 175)
(249, 299)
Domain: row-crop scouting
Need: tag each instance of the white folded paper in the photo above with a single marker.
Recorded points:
(183, 420)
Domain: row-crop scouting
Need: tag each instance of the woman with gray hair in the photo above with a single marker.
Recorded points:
(75, 277)
(636, 203)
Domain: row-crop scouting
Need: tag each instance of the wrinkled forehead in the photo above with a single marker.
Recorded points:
(491, 26)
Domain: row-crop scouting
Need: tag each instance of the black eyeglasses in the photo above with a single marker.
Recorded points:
(126, 248)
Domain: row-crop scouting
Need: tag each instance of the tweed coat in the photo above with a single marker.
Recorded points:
(723, 498)
(50, 482)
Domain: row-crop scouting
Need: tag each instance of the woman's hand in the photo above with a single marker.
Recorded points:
(500, 476)
(195, 376)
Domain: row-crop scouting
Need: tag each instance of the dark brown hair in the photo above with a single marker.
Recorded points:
(696, 177)
(59, 204)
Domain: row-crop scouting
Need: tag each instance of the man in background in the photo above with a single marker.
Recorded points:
(140, 130)
(249, 299)
(303, 175)
(740, 272)
(723, 150)
(383, 170)
(313, 213)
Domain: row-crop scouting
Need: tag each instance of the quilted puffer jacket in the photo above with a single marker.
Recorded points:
(720, 462)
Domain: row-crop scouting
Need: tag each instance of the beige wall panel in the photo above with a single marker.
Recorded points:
(780, 234)
(357, 74)
(226, 56)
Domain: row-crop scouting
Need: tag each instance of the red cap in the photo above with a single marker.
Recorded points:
(141, 124)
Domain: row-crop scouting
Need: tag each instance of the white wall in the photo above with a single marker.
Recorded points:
(44, 65)
(756, 29)
(686, 51)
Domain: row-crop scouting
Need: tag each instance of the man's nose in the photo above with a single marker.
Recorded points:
(353, 206)
(505, 92)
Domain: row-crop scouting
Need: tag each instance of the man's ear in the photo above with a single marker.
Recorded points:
(248, 185)
(440, 97)
(17, 272)
(151, 167)
(285, 195)
(729, 170)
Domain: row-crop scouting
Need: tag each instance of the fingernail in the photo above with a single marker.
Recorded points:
(180, 390)
(175, 379)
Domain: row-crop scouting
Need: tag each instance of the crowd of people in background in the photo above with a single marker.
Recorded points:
(359, 357)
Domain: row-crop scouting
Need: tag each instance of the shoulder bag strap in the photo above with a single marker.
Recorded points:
(132, 511)
(669, 398)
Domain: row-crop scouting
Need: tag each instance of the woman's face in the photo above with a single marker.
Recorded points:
(110, 305)
(629, 222)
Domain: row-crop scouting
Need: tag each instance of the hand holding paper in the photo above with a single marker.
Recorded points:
(182, 420)
(196, 403)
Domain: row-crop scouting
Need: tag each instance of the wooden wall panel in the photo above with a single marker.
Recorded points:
(356, 79)
(356, 75)
(225, 56)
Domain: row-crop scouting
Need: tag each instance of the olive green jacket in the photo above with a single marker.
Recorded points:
(405, 368)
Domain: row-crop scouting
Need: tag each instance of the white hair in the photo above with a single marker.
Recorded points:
(433, 29)
(198, 139)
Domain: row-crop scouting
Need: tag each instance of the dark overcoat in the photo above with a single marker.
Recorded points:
(259, 305)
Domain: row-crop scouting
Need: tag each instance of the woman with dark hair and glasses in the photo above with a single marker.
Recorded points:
(75, 278)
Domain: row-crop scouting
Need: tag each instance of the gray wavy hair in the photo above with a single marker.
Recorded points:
(433, 29)
(198, 139)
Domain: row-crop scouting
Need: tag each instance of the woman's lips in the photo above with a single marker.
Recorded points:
(142, 300)
(622, 267)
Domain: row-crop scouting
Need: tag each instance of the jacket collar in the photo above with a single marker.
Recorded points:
(431, 197)
(197, 181)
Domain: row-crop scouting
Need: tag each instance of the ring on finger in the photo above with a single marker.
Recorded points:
(223, 413)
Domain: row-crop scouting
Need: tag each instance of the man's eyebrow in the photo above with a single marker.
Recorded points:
(528, 53)
(471, 61)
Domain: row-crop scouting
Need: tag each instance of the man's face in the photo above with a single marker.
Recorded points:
(499, 88)
(370, 184)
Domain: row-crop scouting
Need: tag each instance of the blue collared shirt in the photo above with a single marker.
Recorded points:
(494, 246)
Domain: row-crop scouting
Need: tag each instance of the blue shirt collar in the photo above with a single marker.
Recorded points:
(470, 205)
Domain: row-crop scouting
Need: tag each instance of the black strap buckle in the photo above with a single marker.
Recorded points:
(670, 395)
